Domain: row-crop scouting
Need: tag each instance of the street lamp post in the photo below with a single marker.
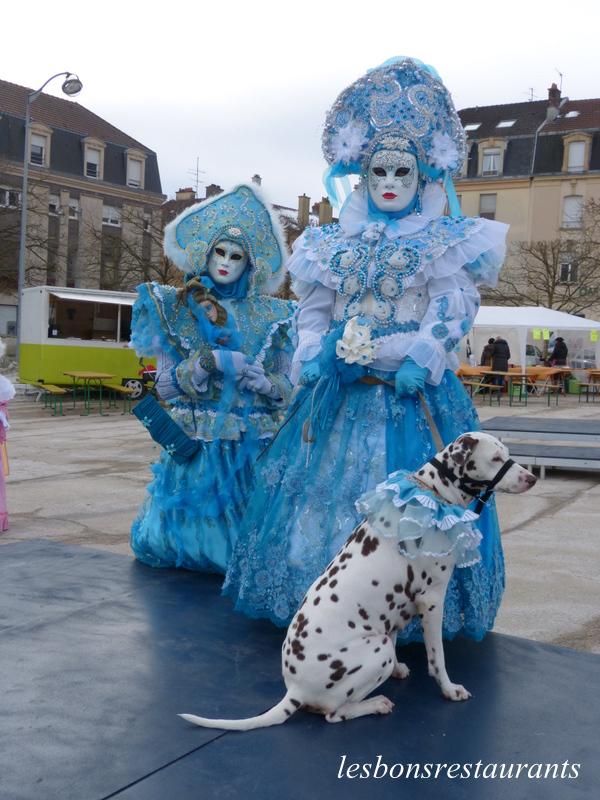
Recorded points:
(71, 86)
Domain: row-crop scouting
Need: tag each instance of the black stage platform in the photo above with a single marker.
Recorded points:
(98, 654)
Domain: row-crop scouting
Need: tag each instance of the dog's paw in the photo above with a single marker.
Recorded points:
(455, 691)
(381, 704)
(400, 671)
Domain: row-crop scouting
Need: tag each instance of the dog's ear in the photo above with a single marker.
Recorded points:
(463, 448)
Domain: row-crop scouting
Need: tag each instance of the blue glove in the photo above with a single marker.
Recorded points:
(410, 378)
(349, 372)
(310, 372)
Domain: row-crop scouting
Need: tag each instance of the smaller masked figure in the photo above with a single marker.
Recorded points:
(223, 356)
(385, 296)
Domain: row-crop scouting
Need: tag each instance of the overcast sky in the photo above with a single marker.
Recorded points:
(244, 86)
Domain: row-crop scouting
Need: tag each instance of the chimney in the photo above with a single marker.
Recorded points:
(303, 211)
(325, 212)
(212, 190)
(185, 194)
(257, 180)
(553, 102)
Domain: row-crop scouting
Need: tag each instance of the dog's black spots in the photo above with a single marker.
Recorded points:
(443, 567)
(354, 669)
(377, 649)
(338, 674)
(345, 557)
(316, 601)
(405, 615)
(446, 456)
(402, 605)
(423, 575)
(431, 607)
(433, 649)
(321, 583)
(343, 649)
(336, 664)
(334, 598)
(363, 613)
(351, 624)
(300, 656)
(437, 671)
(368, 641)
(381, 519)
(389, 597)
(398, 588)
(384, 663)
(295, 703)
(333, 583)
(288, 651)
(329, 685)
(420, 616)
(342, 717)
(370, 544)
(318, 630)
(392, 606)
(333, 571)
(410, 574)
(431, 661)
(304, 634)
(429, 581)
(470, 465)
(367, 627)
(349, 692)
(389, 660)
(431, 473)
(297, 646)
(375, 583)
(344, 566)
(360, 535)
(292, 669)
(388, 626)
(287, 713)
(421, 472)
(323, 656)
(387, 524)
(286, 664)
(382, 617)
(445, 482)
(384, 640)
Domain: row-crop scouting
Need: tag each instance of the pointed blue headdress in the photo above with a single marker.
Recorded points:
(401, 104)
(241, 215)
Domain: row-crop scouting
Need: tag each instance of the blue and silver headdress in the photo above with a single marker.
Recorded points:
(242, 215)
(402, 104)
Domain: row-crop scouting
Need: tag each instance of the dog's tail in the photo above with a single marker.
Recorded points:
(274, 716)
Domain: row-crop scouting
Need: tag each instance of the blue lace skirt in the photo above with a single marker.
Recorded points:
(302, 509)
(193, 510)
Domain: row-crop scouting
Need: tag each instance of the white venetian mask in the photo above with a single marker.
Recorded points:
(392, 179)
(227, 262)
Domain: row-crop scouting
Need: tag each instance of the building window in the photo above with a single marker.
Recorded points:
(572, 211)
(147, 221)
(568, 272)
(490, 164)
(111, 216)
(576, 157)
(487, 206)
(37, 153)
(9, 198)
(92, 162)
(506, 123)
(134, 173)
(73, 208)
(53, 205)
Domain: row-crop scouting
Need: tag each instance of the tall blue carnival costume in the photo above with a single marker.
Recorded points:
(398, 290)
(223, 359)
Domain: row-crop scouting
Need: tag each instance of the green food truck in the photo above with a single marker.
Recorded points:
(68, 329)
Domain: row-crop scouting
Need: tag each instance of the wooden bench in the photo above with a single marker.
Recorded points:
(554, 455)
(476, 386)
(586, 388)
(52, 394)
(113, 390)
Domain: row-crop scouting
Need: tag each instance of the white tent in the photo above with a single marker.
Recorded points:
(517, 324)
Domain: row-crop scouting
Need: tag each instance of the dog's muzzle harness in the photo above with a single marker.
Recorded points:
(481, 490)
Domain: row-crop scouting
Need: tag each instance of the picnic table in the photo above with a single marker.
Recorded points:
(88, 380)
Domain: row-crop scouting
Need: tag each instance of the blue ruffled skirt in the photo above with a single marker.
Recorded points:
(303, 507)
(194, 510)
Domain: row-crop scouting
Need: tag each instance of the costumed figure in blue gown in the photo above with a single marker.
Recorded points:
(223, 354)
(385, 297)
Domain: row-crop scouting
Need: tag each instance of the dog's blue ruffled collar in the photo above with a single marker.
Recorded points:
(412, 513)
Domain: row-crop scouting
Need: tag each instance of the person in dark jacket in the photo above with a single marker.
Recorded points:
(500, 356)
(558, 356)
(486, 354)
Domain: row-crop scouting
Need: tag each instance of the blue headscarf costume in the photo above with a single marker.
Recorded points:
(408, 281)
(193, 510)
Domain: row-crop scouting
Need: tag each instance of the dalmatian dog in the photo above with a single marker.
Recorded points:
(340, 646)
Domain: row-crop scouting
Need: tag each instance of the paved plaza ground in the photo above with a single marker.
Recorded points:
(81, 479)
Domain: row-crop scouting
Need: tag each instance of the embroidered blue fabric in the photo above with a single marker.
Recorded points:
(340, 441)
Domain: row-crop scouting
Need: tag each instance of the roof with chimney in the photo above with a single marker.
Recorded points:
(67, 115)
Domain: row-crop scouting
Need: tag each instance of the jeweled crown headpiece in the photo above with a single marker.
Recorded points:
(241, 215)
(405, 102)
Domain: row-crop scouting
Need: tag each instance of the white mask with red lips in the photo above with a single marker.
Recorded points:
(392, 179)
(227, 262)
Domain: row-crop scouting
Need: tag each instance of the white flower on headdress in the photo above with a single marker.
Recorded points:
(355, 346)
(348, 142)
(443, 153)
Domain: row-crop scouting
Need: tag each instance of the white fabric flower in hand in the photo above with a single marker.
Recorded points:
(255, 380)
(355, 346)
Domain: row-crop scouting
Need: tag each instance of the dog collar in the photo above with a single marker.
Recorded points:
(472, 486)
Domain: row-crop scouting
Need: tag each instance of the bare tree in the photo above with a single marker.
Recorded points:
(563, 273)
